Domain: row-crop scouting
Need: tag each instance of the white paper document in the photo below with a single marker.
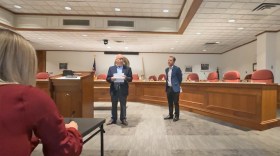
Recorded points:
(77, 78)
(181, 90)
(119, 77)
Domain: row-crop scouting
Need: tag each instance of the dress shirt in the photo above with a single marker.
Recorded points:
(169, 76)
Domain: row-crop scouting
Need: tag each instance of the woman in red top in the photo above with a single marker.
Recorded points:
(25, 109)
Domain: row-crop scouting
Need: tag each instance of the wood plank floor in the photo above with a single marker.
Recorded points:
(147, 134)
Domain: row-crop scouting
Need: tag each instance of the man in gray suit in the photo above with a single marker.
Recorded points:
(173, 87)
(119, 90)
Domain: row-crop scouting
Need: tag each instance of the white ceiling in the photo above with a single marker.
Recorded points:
(211, 20)
(147, 8)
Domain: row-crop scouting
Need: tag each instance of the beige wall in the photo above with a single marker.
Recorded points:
(277, 60)
(154, 64)
(240, 59)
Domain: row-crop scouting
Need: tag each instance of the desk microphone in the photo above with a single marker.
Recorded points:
(205, 76)
(72, 116)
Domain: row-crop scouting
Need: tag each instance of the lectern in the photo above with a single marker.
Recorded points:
(73, 94)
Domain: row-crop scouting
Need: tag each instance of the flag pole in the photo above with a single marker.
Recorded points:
(143, 70)
(94, 70)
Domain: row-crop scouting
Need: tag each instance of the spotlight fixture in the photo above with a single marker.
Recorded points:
(17, 6)
(67, 8)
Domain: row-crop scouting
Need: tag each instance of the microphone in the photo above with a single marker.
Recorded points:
(72, 116)
(205, 76)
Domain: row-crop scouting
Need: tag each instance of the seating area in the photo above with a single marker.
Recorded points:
(162, 77)
(101, 77)
(152, 78)
(232, 76)
(135, 77)
(42, 76)
(262, 76)
(193, 77)
(213, 77)
(259, 76)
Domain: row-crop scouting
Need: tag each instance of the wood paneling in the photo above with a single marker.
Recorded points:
(73, 95)
(267, 32)
(182, 8)
(248, 105)
(278, 97)
(41, 56)
(191, 12)
(67, 102)
(43, 85)
(101, 91)
(87, 96)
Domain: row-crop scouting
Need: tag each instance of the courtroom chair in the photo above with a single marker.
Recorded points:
(135, 77)
(262, 76)
(153, 77)
(248, 77)
(161, 76)
(42, 76)
(212, 77)
(193, 77)
(232, 76)
(101, 77)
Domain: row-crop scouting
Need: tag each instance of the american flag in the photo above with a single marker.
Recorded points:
(94, 67)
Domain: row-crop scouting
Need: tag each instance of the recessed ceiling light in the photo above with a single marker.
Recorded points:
(176, 41)
(231, 21)
(84, 35)
(39, 38)
(117, 9)
(240, 28)
(171, 48)
(198, 33)
(17, 6)
(165, 10)
(123, 36)
(204, 50)
(218, 42)
(67, 8)
(126, 47)
(60, 46)
(108, 47)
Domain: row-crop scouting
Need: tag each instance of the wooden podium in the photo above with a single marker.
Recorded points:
(43, 85)
(73, 94)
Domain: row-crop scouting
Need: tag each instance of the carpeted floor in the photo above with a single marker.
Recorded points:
(147, 134)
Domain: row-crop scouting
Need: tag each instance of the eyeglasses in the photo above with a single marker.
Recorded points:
(120, 58)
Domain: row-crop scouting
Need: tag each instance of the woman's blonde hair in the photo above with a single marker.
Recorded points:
(18, 60)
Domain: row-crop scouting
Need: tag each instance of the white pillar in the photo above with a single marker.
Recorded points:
(266, 52)
(277, 61)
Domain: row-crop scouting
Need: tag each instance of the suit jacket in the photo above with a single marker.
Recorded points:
(123, 85)
(176, 78)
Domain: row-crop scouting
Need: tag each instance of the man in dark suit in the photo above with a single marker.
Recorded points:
(119, 90)
(173, 83)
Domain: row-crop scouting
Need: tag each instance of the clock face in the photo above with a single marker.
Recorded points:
(125, 62)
